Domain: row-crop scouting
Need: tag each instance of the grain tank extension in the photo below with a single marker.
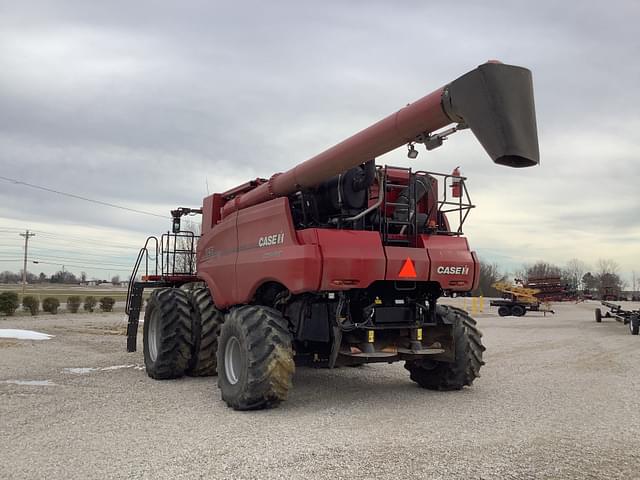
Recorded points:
(337, 261)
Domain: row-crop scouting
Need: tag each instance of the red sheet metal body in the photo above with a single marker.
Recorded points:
(259, 244)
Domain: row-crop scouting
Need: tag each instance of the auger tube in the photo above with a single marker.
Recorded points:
(494, 100)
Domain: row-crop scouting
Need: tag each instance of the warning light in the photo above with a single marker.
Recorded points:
(408, 270)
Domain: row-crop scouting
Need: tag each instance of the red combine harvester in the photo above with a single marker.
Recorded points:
(337, 261)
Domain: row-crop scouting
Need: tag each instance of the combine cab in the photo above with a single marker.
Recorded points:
(338, 261)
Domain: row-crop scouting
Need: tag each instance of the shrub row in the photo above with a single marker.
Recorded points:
(9, 303)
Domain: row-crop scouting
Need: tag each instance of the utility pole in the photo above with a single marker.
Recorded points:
(26, 236)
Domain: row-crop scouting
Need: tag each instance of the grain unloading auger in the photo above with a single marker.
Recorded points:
(336, 261)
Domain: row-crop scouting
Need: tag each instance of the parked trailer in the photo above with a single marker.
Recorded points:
(508, 307)
(627, 317)
(517, 300)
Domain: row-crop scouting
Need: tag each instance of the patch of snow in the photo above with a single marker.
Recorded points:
(85, 370)
(23, 334)
(37, 383)
(116, 367)
(79, 370)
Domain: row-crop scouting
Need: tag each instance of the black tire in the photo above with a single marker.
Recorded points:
(504, 311)
(255, 358)
(167, 334)
(634, 325)
(598, 315)
(468, 356)
(518, 311)
(206, 323)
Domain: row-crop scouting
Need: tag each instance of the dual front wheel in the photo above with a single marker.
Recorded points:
(249, 348)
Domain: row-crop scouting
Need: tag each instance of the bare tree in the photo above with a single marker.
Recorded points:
(541, 269)
(489, 274)
(185, 262)
(606, 265)
(573, 272)
(589, 283)
(609, 282)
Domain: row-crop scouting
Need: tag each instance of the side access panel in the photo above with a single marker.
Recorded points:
(407, 264)
(268, 250)
(453, 265)
(350, 259)
(216, 259)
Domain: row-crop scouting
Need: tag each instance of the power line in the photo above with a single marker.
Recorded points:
(80, 266)
(78, 197)
(83, 260)
(66, 236)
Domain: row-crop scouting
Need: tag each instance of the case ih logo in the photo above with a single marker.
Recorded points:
(462, 270)
(269, 240)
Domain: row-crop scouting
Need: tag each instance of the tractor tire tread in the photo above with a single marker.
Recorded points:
(269, 358)
(207, 321)
(465, 369)
(175, 342)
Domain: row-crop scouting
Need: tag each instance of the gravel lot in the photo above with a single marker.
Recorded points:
(558, 398)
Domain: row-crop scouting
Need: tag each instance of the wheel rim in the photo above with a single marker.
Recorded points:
(154, 333)
(232, 360)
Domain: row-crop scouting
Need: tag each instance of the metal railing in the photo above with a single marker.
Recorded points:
(172, 255)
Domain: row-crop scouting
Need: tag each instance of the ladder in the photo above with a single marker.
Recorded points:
(403, 215)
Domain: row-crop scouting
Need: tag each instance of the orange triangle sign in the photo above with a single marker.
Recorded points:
(408, 270)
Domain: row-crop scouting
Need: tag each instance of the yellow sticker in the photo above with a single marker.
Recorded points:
(371, 336)
(377, 301)
(419, 334)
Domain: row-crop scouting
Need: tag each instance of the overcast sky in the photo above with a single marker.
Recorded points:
(142, 104)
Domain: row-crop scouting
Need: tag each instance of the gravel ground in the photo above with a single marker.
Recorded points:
(558, 398)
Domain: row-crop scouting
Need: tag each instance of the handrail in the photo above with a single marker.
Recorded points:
(143, 253)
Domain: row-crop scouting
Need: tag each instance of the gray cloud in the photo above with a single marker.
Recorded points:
(138, 103)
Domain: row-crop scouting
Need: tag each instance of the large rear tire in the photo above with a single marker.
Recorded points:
(207, 321)
(468, 355)
(518, 311)
(598, 315)
(255, 358)
(504, 311)
(167, 334)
